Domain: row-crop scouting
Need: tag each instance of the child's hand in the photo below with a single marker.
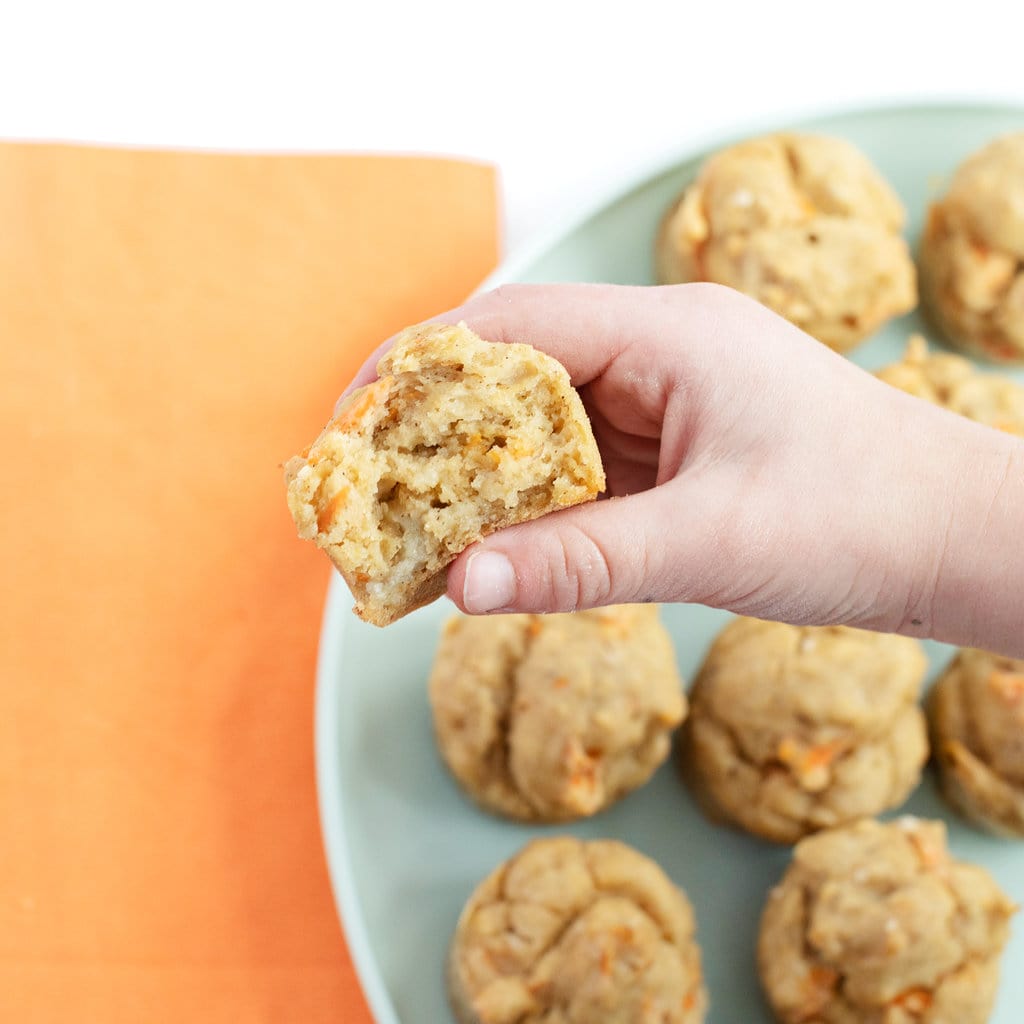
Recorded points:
(753, 469)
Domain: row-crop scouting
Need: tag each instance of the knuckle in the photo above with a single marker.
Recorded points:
(713, 292)
(720, 299)
(579, 571)
(505, 294)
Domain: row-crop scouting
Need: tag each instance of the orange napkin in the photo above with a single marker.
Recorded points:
(173, 326)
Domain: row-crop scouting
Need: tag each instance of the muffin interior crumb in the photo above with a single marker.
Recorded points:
(449, 464)
(434, 455)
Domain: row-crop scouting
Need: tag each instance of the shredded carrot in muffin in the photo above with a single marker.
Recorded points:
(913, 1000)
(326, 514)
(1007, 685)
(809, 764)
(930, 855)
(355, 409)
(816, 990)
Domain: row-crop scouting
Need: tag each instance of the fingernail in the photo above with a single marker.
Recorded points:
(490, 583)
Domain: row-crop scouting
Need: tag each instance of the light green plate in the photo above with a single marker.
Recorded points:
(405, 849)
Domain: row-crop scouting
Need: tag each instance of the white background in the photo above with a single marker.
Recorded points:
(567, 98)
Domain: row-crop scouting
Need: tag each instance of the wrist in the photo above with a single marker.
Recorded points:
(969, 584)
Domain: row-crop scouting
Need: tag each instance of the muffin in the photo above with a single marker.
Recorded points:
(553, 717)
(794, 729)
(576, 933)
(876, 924)
(458, 438)
(805, 225)
(976, 711)
(972, 254)
(953, 382)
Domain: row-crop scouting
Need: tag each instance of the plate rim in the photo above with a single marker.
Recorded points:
(338, 602)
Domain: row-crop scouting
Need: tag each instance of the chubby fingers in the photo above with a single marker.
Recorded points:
(644, 547)
(584, 326)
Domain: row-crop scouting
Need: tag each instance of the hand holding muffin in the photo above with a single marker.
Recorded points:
(752, 469)
(749, 469)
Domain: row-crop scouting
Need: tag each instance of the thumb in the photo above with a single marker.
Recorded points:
(617, 551)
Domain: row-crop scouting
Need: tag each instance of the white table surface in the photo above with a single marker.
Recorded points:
(568, 99)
